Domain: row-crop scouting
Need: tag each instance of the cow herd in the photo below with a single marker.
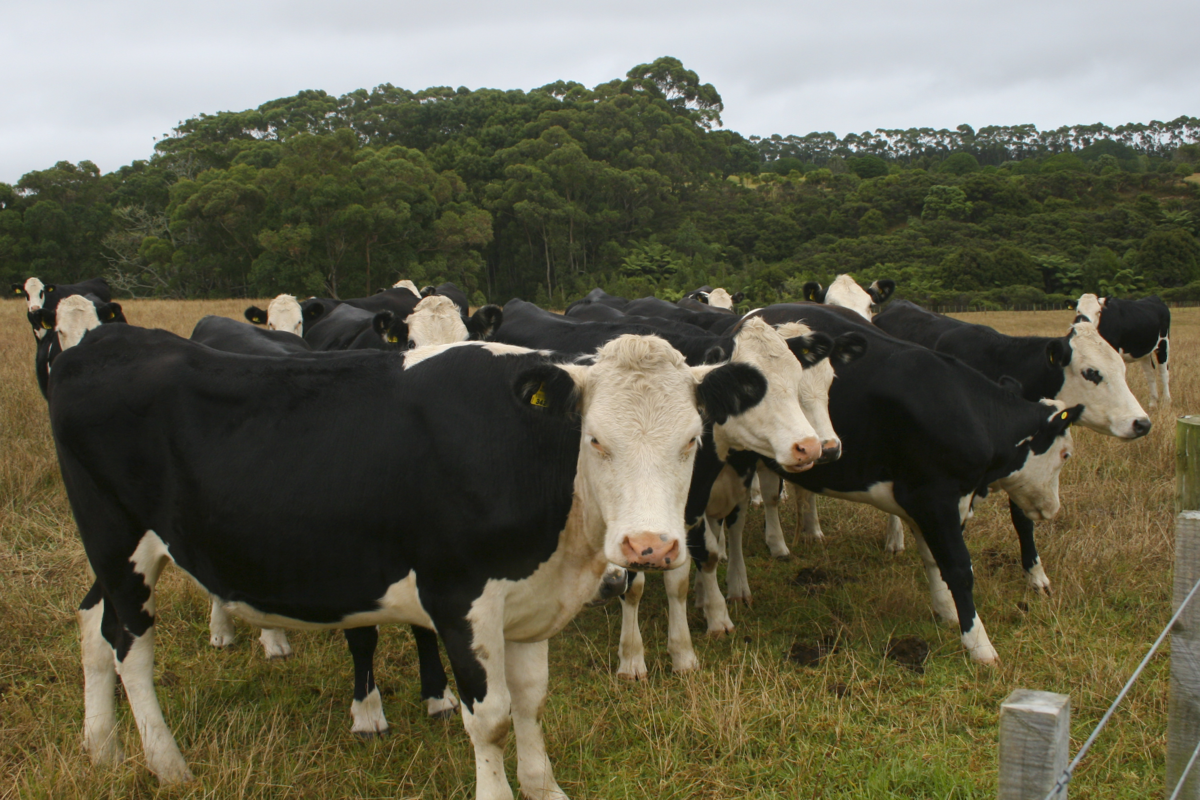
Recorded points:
(482, 477)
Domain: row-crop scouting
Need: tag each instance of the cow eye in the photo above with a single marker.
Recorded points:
(412, 344)
(1066, 455)
(594, 442)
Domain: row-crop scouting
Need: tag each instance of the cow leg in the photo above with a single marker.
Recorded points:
(708, 589)
(527, 669)
(367, 708)
(1030, 560)
(221, 632)
(100, 737)
(808, 524)
(939, 591)
(772, 489)
(275, 643)
(679, 638)
(478, 653)
(133, 598)
(893, 535)
(1151, 379)
(736, 582)
(1164, 371)
(938, 531)
(632, 652)
(435, 690)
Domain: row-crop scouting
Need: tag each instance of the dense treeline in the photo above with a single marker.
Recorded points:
(631, 185)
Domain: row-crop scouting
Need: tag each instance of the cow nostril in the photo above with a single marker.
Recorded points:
(1141, 426)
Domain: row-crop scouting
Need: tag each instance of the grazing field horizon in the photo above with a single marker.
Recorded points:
(757, 720)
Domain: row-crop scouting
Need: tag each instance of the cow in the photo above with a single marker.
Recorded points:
(924, 435)
(596, 461)
(710, 319)
(437, 319)
(40, 295)
(845, 292)
(795, 404)
(717, 298)
(451, 291)
(1140, 330)
(46, 319)
(1079, 368)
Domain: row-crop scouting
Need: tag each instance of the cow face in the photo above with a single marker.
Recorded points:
(778, 427)
(845, 292)
(1088, 308)
(284, 314)
(34, 292)
(1094, 375)
(1033, 485)
(719, 298)
(817, 378)
(640, 409)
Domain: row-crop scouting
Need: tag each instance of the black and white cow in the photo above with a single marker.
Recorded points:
(285, 313)
(1140, 330)
(69, 308)
(438, 319)
(451, 291)
(717, 298)
(845, 292)
(1079, 368)
(795, 406)
(592, 466)
(923, 436)
(40, 295)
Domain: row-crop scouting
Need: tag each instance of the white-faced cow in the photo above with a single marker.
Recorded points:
(717, 298)
(69, 317)
(596, 459)
(1140, 330)
(40, 295)
(1079, 368)
(845, 292)
(923, 436)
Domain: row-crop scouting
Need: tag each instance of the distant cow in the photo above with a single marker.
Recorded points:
(69, 308)
(846, 292)
(717, 298)
(153, 434)
(285, 313)
(39, 295)
(1140, 330)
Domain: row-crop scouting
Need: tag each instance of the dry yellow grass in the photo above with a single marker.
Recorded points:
(750, 724)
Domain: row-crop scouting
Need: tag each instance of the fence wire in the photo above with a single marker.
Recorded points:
(1067, 773)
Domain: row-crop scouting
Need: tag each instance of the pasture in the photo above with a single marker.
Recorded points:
(751, 723)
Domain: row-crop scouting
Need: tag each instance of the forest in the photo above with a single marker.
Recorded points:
(632, 185)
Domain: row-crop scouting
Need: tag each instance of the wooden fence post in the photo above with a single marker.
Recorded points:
(1035, 740)
(1183, 721)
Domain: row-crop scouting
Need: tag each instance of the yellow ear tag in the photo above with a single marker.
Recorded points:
(539, 397)
(1063, 415)
(46, 325)
(393, 339)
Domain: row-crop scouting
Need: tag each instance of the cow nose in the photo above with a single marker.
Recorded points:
(650, 551)
(804, 454)
(830, 451)
(1141, 427)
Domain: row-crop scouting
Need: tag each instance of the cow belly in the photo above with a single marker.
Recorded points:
(880, 495)
(399, 605)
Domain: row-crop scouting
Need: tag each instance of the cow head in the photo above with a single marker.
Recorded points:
(283, 314)
(406, 284)
(78, 314)
(393, 331)
(642, 411)
(1033, 482)
(1088, 308)
(437, 320)
(818, 377)
(34, 292)
(845, 292)
(1094, 375)
(779, 427)
(719, 298)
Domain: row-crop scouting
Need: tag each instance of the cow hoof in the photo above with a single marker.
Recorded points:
(685, 663)
(744, 599)
(986, 655)
(442, 707)
(1038, 580)
(786, 555)
(720, 629)
(632, 672)
(368, 735)
(277, 656)
(174, 774)
(223, 640)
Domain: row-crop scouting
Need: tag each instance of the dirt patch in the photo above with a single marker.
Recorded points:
(996, 560)
(814, 580)
(909, 652)
(809, 654)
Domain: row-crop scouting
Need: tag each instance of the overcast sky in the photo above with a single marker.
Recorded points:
(90, 80)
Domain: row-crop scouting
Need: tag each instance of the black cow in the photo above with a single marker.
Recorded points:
(846, 292)
(162, 444)
(923, 436)
(1140, 330)
(46, 319)
(39, 295)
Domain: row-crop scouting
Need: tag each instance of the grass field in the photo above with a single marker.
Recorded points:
(751, 723)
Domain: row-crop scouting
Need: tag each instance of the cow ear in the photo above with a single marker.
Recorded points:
(547, 388)
(1071, 305)
(485, 322)
(50, 287)
(381, 324)
(428, 290)
(1061, 420)
(729, 390)
(812, 292)
(380, 290)
(18, 290)
(312, 312)
(397, 334)
(44, 318)
(848, 348)
(256, 315)
(881, 290)
(738, 297)
(700, 297)
(110, 312)
(715, 355)
(1011, 385)
(811, 348)
(1058, 353)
